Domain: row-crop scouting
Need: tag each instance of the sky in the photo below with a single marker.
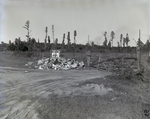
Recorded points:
(87, 17)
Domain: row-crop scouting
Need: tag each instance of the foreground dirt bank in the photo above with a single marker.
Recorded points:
(73, 94)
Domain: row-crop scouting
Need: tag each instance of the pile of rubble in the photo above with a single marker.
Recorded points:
(56, 63)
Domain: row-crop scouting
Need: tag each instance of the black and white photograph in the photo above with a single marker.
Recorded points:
(74, 59)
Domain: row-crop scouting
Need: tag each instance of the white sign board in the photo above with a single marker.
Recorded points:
(55, 53)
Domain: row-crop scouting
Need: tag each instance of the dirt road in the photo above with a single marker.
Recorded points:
(73, 94)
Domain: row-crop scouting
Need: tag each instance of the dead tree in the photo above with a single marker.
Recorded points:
(27, 27)
(121, 37)
(138, 49)
(53, 33)
(46, 30)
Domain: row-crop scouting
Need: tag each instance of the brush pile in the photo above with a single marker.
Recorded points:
(56, 63)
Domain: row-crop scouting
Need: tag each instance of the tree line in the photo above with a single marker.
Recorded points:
(122, 43)
(32, 44)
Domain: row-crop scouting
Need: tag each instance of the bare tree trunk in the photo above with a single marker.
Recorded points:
(139, 53)
(139, 58)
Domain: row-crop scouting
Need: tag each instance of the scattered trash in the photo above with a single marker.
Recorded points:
(56, 64)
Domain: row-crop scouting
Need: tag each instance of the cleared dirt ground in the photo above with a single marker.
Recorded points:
(73, 94)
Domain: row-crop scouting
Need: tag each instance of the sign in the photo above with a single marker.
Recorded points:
(55, 53)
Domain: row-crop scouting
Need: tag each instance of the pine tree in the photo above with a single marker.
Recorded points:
(105, 41)
(124, 41)
(9, 42)
(46, 30)
(49, 41)
(75, 34)
(56, 42)
(68, 38)
(112, 37)
(63, 41)
(121, 37)
(109, 44)
(127, 39)
(92, 43)
(118, 44)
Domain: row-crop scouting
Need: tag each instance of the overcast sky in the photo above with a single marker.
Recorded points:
(87, 17)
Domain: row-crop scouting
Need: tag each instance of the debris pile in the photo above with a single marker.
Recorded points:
(56, 63)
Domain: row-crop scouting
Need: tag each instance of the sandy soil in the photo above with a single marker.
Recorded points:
(73, 94)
